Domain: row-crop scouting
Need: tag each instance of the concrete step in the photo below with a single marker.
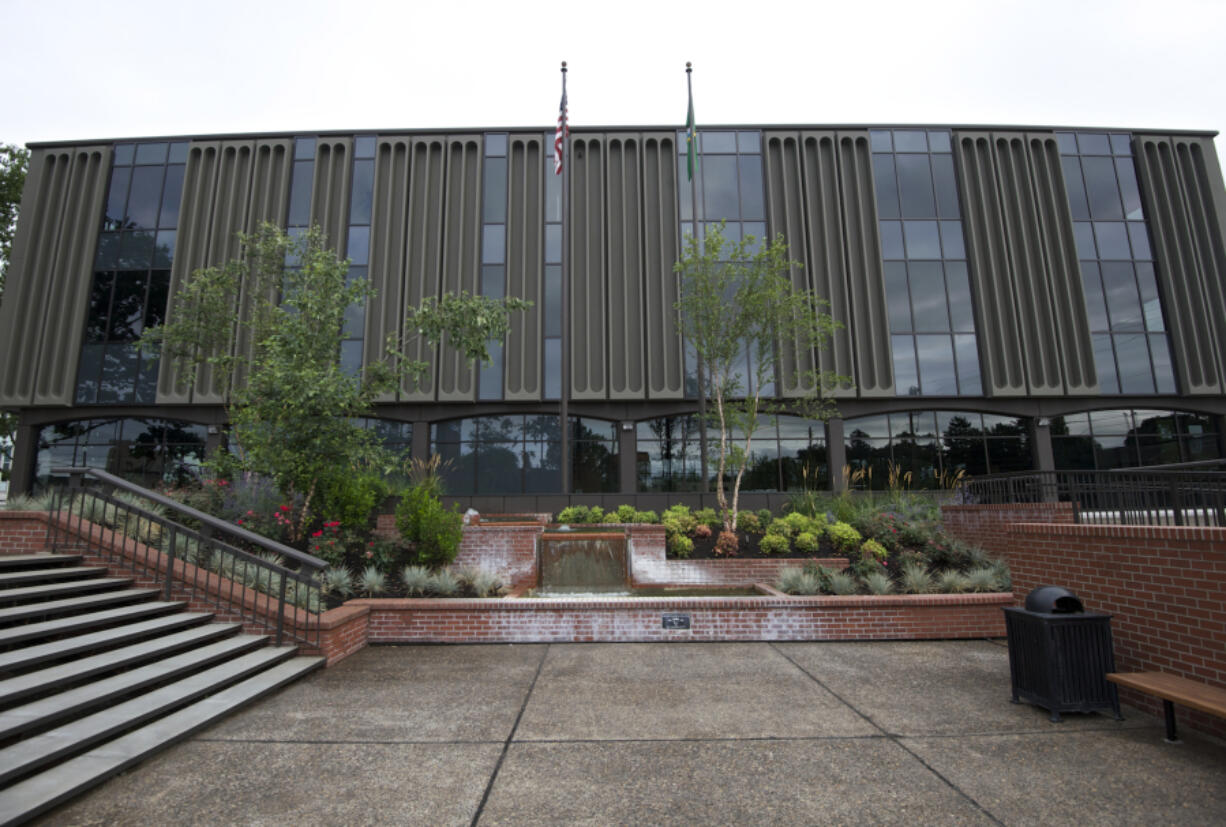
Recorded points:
(12, 579)
(47, 711)
(39, 793)
(61, 676)
(77, 736)
(25, 594)
(18, 562)
(79, 624)
(30, 656)
(74, 605)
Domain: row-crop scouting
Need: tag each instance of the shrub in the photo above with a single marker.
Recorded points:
(798, 581)
(872, 548)
(709, 517)
(337, 581)
(764, 516)
(749, 523)
(434, 531)
(878, 582)
(574, 514)
(679, 519)
(29, 502)
(679, 545)
(626, 513)
(796, 523)
(774, 544)
(479, 582)
(807, 542)
(702, 531)
(842, 582)
(1004, 578)
(595, 514)
(443, 583)
(779, 528)
(843, 537)
(416, 579)
(726, 544)
(350, 499)
(648, 517)
(916, 578)
(981, 579)
(952, 582)
(372, 582)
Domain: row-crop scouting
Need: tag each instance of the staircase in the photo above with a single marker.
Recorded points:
(96, 675)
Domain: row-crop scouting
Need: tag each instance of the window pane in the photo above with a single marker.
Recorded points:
(751, 187)
(1121, 144)
(1067, 142)
(969, 382)
(946, 186)
(351, 357)
(304, 149)
(938, 141)
(1078, 204)
(891, 240)
(960, 307)
(928, 296)
(868, 426)
(887, 186)
(553, 243)
(491, 374)
(364, 146)
(907, 140)
(897, 299)
(117, 196)
(1096, 306)
(923, 239)
(493, 244)
(124, 154)
(1092, 144)
(719, 177)
(359, 246)
(1101, 189)
(118, 373)
(127, 307)
(1112, 238)
(171, 195)
(717, 142)
(151, 153)
(300, 194)
(493, 281)
(936, 365)
(1123, 301)
(1139, 239)
(1084, 233)
(88, 373)
(879, 140)
(1164, 373)
(159, 292)
(97, 320)
(1104, 363)
(1132, 355)
(363, 192)
(749, 141)
(553, 368)
(906, 380)
(915, 186)
(951, 239)
(1128, 188)
(494, 203)
(145, 197)
(553, 300)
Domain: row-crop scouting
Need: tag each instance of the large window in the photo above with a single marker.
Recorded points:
(1128, 438)
(935, 445)
(146, 451)
(494, 254)
(927, 287)
(361, 201)
(1131, 353)
(520, 454)
(131, 273)
(786, 455)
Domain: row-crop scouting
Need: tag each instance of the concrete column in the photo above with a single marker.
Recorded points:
(1040, 439)
(836, 452)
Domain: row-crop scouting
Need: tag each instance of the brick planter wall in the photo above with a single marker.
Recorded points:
(651, 567)
(508, 551)
(23, 532)
(1165, 588)
(904, 617)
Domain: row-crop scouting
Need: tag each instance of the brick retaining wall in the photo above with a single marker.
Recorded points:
(1165, 587)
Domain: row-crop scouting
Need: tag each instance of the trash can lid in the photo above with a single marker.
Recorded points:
(1053, 600)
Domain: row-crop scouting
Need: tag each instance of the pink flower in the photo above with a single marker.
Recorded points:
(317, 533)
(285, 508)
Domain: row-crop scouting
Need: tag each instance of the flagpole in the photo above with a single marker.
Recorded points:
(692, 136)
(564, 407)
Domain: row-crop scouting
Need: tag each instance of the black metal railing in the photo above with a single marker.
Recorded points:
(1127, 496)
(243, 576)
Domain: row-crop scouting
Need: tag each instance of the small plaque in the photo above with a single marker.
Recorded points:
(676, 621)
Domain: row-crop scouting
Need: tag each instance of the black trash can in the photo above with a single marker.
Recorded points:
(1060, 654)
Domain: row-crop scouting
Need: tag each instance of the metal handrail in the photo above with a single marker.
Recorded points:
(208, 564)
(1131, 496)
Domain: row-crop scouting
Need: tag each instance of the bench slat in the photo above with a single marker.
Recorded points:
(1183, 691)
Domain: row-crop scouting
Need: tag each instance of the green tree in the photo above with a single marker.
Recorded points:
(738, 312)
(292, 405)
(14, 161)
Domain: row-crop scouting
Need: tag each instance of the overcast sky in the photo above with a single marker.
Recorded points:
(80, 70)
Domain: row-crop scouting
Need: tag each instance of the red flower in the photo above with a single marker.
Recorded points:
(317, 533)
(240, 522)
(285, 508)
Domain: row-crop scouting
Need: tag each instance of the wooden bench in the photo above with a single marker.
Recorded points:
(1173, 689)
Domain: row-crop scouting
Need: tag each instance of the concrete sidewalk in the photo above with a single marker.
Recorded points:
(720, 733)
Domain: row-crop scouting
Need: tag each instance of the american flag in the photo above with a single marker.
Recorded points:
(559, 137)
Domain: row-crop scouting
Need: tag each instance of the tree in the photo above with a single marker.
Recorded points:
(14, 161)
(292, 405)
(738, 310)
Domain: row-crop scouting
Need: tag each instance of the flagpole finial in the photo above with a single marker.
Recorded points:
(564, 66)
(689, 67)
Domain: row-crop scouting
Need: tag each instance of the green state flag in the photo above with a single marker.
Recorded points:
(691, 140)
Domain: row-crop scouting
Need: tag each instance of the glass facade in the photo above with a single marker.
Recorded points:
(932, 326)
(131, 273)
(520, 454)
(361, 201)
(149, 452)
(551, 312)
(493, 253)
(1131, 352)
(1128, 438)
(933, 444)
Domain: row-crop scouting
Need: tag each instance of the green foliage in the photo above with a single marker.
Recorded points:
(294, 410)
(874, 549)
(626, 513)
(727, 544)
(982, 579)
(764, 516)
(372, 582)
(28, 502)
(337, 581)
(844, 538)
(780, 528)
(443, 583)
(679, 545)
(433, 532)
(878, 582)
(14, 162)
(798, 581)
(647, 517)
(574, 514)
(479, 583)
(774, 544)
(416, 580)
(595, 514)
(842, 582)
(952, 582)
(677, 519)
(737, 298)
(915, 578)
(807, 542)
(749, 523)
(709, 518)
